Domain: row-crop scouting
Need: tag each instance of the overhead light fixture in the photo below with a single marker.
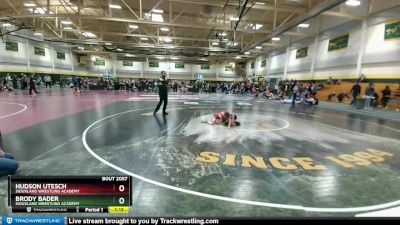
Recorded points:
(260, 3)
(353, 3)
(81, 48)
(158, 11)
(233, 44)
(247, 53)
(40, 11)
(38, 34)
(67, 28)
(108, 43)
(304, 25)
(157, 18)
(133, 26)
(225, 39)
(129, 55)
(66, 22)
(258, 47)
(89, 34)
(7, 25)
(29, 4)
(257, 26)
(215, 43)
(223, 34)
(174, 58)
(144, 39)
(166, 39)
(238, 57)
(112, 6)
(119, 49)
(160, 57)
(166, 29)
(276, 39)
(254, 26)
(234, 18)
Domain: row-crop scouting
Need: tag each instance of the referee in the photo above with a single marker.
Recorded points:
(162, 84)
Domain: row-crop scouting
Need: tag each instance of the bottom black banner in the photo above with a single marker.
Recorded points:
(205, 221)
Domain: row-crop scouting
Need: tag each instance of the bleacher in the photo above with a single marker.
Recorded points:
(346, 87)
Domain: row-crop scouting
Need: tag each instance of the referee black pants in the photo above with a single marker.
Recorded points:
(163, 98)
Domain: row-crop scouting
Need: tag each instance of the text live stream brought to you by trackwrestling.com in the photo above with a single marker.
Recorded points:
(52, 220)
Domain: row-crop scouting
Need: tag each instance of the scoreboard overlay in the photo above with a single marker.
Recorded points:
(75, 194)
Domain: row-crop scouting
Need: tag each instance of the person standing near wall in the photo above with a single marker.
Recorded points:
(62, 82)
(32, 85)
(386, 95)
(369, 92)
(162, 84)
(47, 80)
(355, 92)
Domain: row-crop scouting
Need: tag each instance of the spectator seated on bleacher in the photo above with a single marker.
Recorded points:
(331, 95)
(330, 81)
(342, 96)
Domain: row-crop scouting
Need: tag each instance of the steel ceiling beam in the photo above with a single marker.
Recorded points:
(127, 20)
(231, 3)
(322, 7)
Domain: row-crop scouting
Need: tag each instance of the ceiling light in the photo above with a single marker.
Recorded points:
(276, 39)
(304, 25)
(7, 25)
(119, 49)
(129, 55)
(108, 43)
(258, 47)
(174, 58)
(232, 43)
(257, 26)
(66, 22)
(67, 28)
(40, 11)
(234, 18)
(166, 39)
(133, 26)
(157, 18)
(144, 39)
(225, 39)
(247, 53)
(260, 3)
(353, 3)
(89, 34)
(215, 43)
(158, 11)
(166, 29)
(114, 6)
(37, 34)
(237, 57)
(160, 57)
(81, 48)
(253, 26)
(30, 4)
(223, 34)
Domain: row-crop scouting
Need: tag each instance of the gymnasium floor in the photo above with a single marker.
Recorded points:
(330, 160)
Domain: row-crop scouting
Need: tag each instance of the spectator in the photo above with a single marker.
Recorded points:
(47, 80)
(369, 95)
(8, 165)
(355, 92)
(386, 95)
(32, 85)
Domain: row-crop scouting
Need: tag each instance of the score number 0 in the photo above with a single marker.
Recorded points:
(121, 200)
